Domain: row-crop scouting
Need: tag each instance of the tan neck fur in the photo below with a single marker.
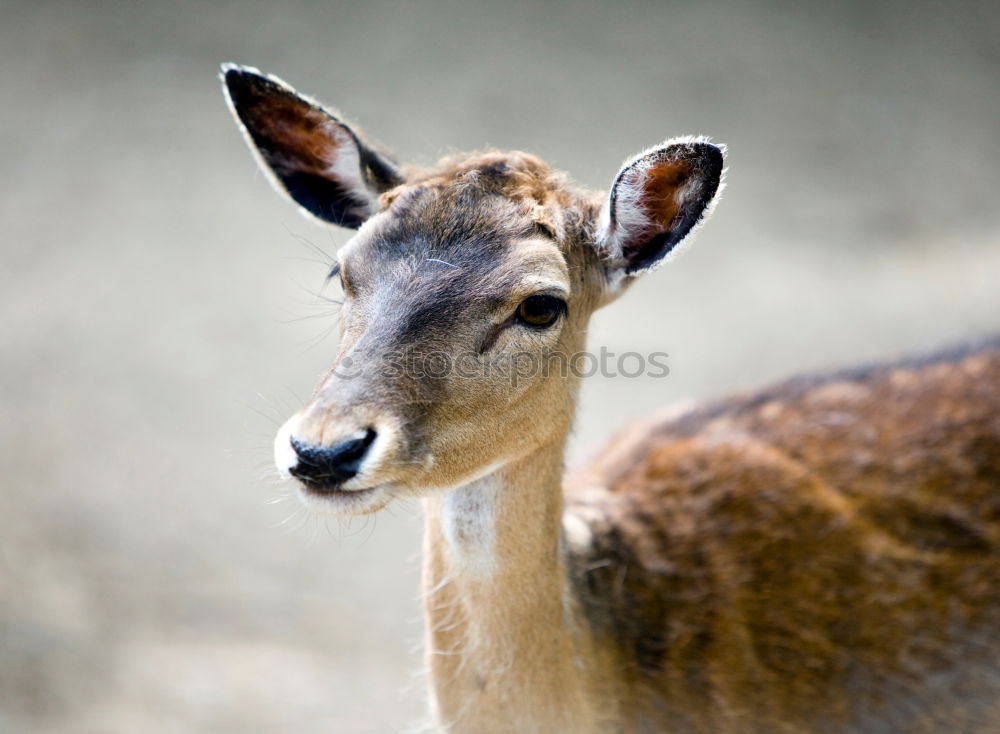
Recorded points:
(503, 643)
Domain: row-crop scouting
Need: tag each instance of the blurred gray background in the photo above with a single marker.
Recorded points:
(158, 316)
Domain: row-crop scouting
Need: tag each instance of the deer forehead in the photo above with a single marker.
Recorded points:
(455, 246)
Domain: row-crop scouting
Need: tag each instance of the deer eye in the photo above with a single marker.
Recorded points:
(540, 312)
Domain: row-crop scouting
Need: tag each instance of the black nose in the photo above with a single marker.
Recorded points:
(330, 465)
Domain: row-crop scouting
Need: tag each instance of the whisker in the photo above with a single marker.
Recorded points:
(328, 259)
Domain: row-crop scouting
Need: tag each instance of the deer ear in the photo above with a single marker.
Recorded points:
(657, 199)
(308, 152)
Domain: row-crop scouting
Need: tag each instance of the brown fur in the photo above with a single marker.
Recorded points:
(660, 186)
(290, 132)
(828, 545)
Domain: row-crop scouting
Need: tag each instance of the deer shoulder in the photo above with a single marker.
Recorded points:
(817, 546)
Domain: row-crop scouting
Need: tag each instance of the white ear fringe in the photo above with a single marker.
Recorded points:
(345, 167)
(630, 215)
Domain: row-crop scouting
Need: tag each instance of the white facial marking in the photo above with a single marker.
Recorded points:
(284, 455)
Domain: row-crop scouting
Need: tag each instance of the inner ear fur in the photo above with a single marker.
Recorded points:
(657, 200)
(308, 152)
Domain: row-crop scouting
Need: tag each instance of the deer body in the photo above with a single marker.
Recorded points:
(823, 556)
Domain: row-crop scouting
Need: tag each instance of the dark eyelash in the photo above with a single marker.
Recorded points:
(334, 272)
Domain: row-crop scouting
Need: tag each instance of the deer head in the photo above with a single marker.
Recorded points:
(468, 288)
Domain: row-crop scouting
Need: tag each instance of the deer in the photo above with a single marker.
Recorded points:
(820, 555)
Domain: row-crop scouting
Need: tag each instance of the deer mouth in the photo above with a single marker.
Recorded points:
(332, 496)
(332, 486)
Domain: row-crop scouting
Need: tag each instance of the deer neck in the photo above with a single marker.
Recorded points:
(501, 636)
